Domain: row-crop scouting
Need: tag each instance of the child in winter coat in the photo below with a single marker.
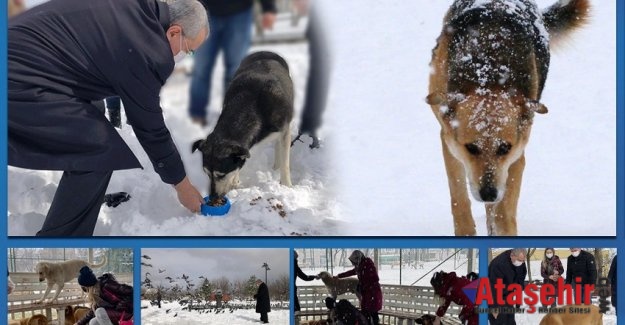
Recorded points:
(111, 302)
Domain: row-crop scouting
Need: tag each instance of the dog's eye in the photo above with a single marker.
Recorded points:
(218, 175)
(473, 149)
(503, 149)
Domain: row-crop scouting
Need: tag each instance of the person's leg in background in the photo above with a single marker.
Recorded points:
(237, 41)
(264, 317)
(317, 83)
(202, 74)
(76, 204)
(113, 106)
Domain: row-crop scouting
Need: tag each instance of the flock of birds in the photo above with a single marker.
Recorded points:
(196, 304)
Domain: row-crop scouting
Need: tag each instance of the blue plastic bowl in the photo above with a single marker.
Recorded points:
(208, 210)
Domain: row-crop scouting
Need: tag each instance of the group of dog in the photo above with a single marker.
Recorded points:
(72, 315)
(56, 275)
(345, 313)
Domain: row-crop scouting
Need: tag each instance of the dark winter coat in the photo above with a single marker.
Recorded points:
(114, 297)
(64, 54)
(262, 299)
(369, 285)
(451, 291)
(501, 267)
(547, 268)
(299, 274)
(230, 7)
(612, 276)
(582, 266)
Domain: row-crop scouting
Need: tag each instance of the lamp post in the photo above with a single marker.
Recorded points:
(266, 267)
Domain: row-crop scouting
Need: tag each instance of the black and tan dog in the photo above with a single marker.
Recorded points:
(489, 69)
(257, 106)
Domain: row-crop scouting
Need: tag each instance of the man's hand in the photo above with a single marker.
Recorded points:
(269, 19)
(437, 321)
(189, 196)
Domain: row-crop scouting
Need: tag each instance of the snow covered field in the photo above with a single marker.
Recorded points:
(381, 144)
(152, 315)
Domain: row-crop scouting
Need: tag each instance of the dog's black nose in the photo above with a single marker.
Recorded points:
(488, 193)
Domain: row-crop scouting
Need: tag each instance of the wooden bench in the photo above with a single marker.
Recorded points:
(28, 289)
(401, 305)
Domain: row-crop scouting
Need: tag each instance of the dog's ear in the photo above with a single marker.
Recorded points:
(535, 106)
(197, 145)
(436, 99)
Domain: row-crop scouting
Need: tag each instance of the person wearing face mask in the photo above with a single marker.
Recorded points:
(510, 267)
(551, 269)
(369, 285)
(581, 264)
(65, 54)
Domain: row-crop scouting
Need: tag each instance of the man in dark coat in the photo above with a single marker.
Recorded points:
(581, 264)
(612, 279)
(369, 285)
(508, 266)
(300, 274)
(65, 54)
(262, 301)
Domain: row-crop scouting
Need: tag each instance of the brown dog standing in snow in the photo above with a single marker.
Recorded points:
(489, 69)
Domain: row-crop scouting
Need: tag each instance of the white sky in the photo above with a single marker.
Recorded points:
(234, 264)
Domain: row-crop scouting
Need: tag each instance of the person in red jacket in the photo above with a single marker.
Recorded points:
(448, 286)
(111, 302)
(369, 285)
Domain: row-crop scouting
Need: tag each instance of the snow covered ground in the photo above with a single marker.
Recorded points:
(172, 313)
(381, 144)
(154, 210)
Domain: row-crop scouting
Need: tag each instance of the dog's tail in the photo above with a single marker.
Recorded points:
(565, 16)
(95, 266)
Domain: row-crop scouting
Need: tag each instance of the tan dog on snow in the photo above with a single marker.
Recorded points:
(489, 68)
(339, 286)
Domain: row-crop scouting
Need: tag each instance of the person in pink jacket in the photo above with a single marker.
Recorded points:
(369, 285)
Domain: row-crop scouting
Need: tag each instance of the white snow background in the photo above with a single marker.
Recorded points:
(380, 165)
(152, 315)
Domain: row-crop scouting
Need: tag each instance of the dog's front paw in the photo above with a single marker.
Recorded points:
(286, 183)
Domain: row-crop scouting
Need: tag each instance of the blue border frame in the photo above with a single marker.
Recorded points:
(482, 243)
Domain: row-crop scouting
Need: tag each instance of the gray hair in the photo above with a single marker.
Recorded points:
(190, 15)
(517, 251)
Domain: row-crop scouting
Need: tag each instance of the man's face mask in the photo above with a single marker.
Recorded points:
(182, 54)
(517, 263)
(575, 253)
